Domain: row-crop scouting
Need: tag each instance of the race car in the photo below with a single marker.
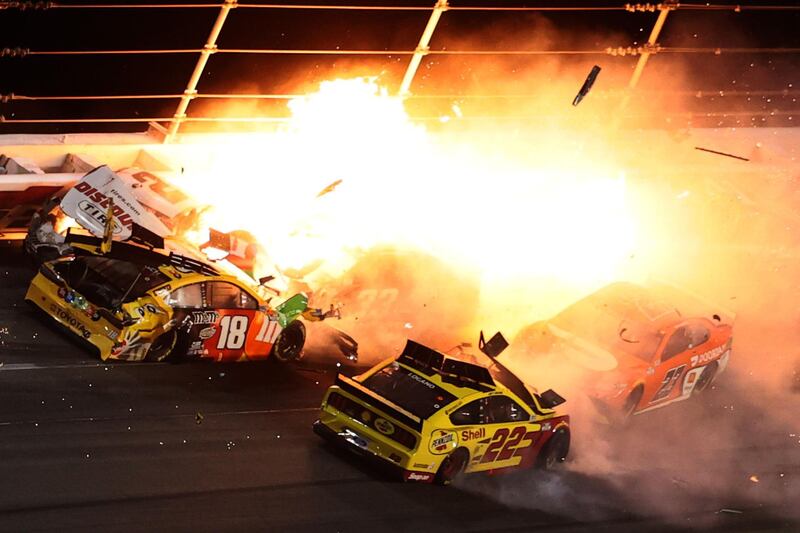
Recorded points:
(628, 348)
(137, 303)
(428, 417)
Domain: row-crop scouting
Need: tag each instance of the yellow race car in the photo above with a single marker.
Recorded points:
(139, 303)
(430, 417)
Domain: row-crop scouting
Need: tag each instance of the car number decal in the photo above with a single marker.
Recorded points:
(507, 443)
(233, 332)
(670, 379)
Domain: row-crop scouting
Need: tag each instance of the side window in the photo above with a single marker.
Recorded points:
(679, 342)
(223, 295)
(698, 334)
(501, 409)
(467, 415)
(187, 297)
(247, 301)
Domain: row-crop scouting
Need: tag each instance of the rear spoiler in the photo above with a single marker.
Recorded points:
(360, 391)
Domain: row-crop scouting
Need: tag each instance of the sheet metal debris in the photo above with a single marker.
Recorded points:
(721, 153)
(587, 85)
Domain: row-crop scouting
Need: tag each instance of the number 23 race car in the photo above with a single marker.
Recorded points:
(430, 418)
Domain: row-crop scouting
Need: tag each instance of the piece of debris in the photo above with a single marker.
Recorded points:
(721, 153)
(330, 188)
(730, 511)
(587, 85)
(754, 478)
(198, 418)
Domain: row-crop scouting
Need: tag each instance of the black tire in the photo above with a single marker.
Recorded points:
(289, 346)
(163, 348)
(630, 403)
(555, 451)
(706, 378)
(452, 467)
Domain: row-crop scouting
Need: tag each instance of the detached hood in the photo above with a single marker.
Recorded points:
(87, 202)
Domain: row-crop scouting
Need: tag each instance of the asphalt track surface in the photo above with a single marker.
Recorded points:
(88, 446)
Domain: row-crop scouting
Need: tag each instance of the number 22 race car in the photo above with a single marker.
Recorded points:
(430, 418)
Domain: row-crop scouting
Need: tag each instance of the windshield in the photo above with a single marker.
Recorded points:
(105, 282)
(411, 391)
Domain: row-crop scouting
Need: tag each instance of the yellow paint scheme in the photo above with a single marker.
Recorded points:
(145, 318)
(439, 436)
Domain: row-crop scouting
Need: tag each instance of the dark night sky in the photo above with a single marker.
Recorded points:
(86, 29)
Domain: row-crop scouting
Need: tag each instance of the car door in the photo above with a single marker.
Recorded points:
(509, 434)
(238, 320)
(672, 362)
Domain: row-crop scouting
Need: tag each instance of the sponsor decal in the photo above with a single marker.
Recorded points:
(207, 333)
(472, 434)
(112, 334)
(708, 356)
(73, 322)
(147, 308)
(196, 348)
(441, 441)
(546, 426)
(103, 200)
(204, 317)
(384, 426)
(99, 215)
(422, 465)
(422, 380)
(418, 476)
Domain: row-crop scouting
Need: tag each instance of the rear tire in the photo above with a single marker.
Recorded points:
(555, 451)
(706, 378)
(289, 346)
(163, 347)
(630, 403)
(452, 467)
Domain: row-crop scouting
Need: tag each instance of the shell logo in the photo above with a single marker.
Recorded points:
(384, 426)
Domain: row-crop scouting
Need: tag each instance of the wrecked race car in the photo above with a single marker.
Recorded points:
(136, 303)
(389, 293)
(430, 418)
(627, 348)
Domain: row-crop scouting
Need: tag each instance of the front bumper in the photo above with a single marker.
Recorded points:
(349, 442)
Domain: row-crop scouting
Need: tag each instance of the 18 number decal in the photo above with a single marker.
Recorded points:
(233, 334)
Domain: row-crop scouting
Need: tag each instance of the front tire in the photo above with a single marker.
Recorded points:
(452, 467)
(289, 346)
(706, 378)
(163, 347)
(555, 451)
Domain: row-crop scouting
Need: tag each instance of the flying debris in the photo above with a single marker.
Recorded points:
(198, 418)
(587, 85)
(330, 188)
(721, 153)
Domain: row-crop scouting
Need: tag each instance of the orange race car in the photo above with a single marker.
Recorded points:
(627, 348)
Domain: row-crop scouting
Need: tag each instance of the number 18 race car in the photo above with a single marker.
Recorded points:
(629, 349)
(429, 417)
(138, 303)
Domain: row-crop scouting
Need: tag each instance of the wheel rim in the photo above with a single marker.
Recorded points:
(290, 343)
(705, 379)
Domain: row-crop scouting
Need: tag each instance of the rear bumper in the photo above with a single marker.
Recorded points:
(42, 294)
(379, 462)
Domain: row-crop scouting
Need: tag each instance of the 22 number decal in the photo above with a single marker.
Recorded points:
(505, 444)
(234, 332)
(670, 379)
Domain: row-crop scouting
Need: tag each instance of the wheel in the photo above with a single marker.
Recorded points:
(630, 404)
(706, 378)
(555, 451)
(289, 346)
(452, 467)
(162, 348)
